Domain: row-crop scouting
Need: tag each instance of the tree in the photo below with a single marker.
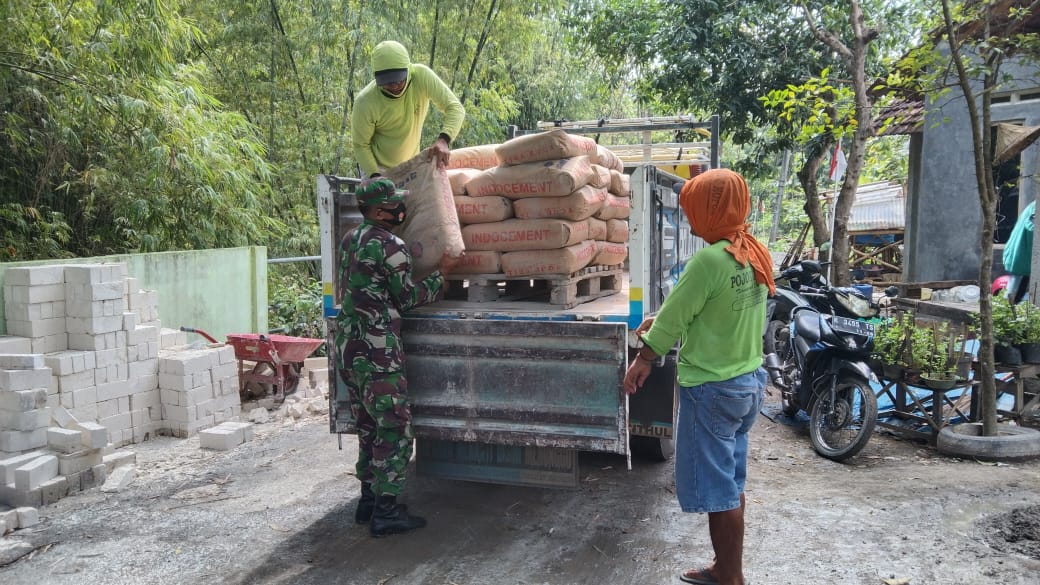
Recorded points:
(980, 37)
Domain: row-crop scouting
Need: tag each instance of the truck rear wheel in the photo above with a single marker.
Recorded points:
(652, 448)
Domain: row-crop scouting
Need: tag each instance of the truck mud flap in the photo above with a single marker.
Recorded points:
(518, 383)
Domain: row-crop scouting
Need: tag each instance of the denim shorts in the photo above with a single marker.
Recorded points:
(711, 443)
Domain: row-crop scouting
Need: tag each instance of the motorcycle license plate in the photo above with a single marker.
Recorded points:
(847, 325)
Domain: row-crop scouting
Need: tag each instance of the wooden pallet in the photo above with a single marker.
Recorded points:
(563, 291)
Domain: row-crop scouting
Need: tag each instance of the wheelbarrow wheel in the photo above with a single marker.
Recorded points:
(257, 390)
(292, 378)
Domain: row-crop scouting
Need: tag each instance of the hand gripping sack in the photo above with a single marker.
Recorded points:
(431, 226)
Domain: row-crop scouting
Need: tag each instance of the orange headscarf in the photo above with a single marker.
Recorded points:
(717, 204)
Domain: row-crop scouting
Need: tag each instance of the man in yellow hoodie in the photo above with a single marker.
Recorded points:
(389, 112)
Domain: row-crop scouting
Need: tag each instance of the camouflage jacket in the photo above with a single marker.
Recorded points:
(375, 278)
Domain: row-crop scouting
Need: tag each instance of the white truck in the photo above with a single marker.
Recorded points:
(509, 390)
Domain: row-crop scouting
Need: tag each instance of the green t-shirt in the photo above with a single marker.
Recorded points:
(386, 130)
(719, 312)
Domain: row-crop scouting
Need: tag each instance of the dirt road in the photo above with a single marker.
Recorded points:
(279, 510)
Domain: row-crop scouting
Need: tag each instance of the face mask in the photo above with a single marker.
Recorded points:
(398, 213)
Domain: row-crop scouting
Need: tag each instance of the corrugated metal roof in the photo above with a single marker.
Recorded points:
(878, 207)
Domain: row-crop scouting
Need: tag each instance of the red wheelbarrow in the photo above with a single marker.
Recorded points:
(277, 359)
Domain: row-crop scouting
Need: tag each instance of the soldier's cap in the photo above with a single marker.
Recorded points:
(374, 192)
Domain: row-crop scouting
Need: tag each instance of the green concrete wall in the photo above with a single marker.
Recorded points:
(219, 291)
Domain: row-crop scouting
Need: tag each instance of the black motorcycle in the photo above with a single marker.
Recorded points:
(824, 371)
(803, 285)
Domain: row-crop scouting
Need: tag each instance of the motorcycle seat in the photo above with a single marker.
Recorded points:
(807, 325)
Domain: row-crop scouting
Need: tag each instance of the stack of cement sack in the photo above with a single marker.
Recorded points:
(549, 203)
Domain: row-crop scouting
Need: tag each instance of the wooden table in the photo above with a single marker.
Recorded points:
(1012, 379)
(909, 405)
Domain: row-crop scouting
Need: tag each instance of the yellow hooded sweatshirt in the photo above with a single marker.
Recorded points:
(387, 129)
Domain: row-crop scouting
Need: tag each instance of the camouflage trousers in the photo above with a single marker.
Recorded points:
(379, 404)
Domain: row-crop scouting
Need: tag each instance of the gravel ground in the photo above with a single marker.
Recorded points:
(279, 509)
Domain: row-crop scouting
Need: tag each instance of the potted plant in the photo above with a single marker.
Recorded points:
(1008, 331)
(1029, 314)
(892, 344)
(939, 356)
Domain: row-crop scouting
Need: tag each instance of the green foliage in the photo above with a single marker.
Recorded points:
(296, 305)
(1009, 326)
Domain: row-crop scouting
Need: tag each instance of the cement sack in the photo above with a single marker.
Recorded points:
(551, 145)
(620, 184)
(474, 157)
(610, 254)
(600, 177)
(577, 206)
(554, 178)
(479, 262)
(615, 208)
(617, 231)
(525, 234)
(608, 159)
(431, 228)
(483, 209)
(597, 229)
(563, 261)
(458, 179)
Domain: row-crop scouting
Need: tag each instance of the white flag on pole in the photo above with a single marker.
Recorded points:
(838, 163)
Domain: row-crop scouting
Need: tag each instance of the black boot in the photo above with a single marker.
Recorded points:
(390, 517)
(365, 505)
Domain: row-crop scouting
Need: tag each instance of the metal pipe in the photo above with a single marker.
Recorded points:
(295, 259)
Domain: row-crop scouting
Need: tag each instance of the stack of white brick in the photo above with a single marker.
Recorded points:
(24, 414)
(106, 367)
(72, 462)
(34, 305)
(198, 388)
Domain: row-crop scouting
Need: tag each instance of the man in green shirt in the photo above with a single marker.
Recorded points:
(388, 117)
(717, 309)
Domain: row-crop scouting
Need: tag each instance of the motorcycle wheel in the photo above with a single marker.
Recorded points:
(777, 338)
(840, 430)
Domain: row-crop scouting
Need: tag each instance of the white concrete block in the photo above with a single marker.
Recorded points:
(93, 325)
(49, 343)
(112, 390)
(129, 321)
(86, 413)
(145, 383)
(44, 293)
(119, 458)
(204, 378)
(37, 327)
(142, 334)
(15, 380)
(120, 478)
(11, 344)
(18, 441)
(220, 439)
(184, 363)
(35, 275)
(225, 370)
(107, 408)
(72, 382)
(81, 460)
(147, 399)
(259, 415)
(8, 522)
(119, 422)
(176, 413)
(86, 341)
(227, 355)
(176, 382)
(27, 517)
(23, 400)
(28, 420)
(95, 291)
(109, 357)
(7, 466)
(21, 361)
(95, 435)
(63, 418)
(146, 367)
(83, 273)
(245, 427)
(64, 440)
(67, 362)
(32, 474)
(172, 338)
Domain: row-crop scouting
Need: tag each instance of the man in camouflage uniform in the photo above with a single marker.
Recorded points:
(375, 278)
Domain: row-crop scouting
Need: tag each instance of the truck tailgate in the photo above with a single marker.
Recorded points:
(523, 383)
